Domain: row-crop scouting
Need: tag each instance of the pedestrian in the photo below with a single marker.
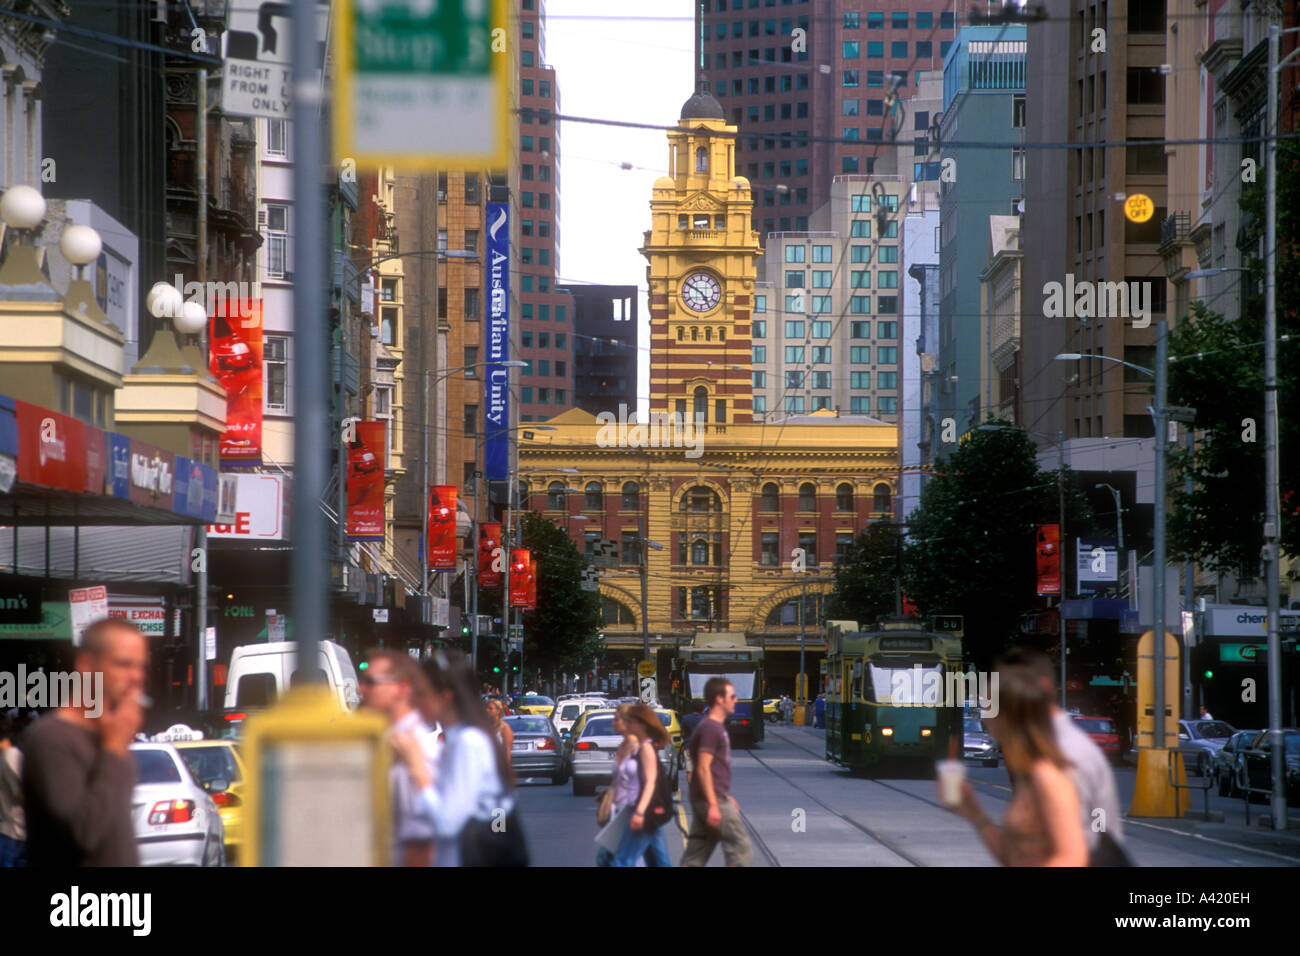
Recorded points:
(1094, 781)
(689, 723)
(13, 826)
(819, 711)
(787, 710)
(505, 736)
(468, 794)
(1205, 714)
(78, 773)
(390, 685)
(1041, 824)
(642, 766)
(716, 812)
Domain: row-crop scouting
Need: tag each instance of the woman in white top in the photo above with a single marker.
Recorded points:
(470, 787)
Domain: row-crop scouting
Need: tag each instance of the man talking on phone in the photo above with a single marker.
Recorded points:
(77, 771)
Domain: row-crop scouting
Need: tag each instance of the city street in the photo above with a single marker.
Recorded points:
(891, 821)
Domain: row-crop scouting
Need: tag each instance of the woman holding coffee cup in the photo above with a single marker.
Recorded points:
(1041, 825)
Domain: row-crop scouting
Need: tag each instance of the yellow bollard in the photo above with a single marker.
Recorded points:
(800, 715)
(1153, 796)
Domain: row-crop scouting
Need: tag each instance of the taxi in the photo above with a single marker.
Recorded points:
(219, 770)
(534, 704)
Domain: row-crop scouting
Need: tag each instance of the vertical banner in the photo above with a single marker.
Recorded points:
(496, 347)
(236, 362)
(489, 545)
(442, 528)
(366, 482)
(87, 605)
(519, 562)
(530, 592)
(1048, 553)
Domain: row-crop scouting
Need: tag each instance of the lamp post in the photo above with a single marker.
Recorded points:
(1119, 533)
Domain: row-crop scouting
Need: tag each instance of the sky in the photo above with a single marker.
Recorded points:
(609, 66)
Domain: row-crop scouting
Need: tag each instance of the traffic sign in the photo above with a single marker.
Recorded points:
(258, 76)
(646, 668)
(1139, 207)
(409, 72)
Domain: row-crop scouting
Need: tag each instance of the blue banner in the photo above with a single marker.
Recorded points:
(119, 461)
(194, 487)
(496, 378)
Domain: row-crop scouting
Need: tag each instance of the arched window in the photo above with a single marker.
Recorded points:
(631, 496)
(555, 496)
(770, 500)
(616, 612)
(844, 498)
(882, 500)
(708, 335)
(681, 332)
(700, 500)
(699, 551)
(595, 496)
(807, 497)
(702, 160)
(695, 335)
(722, 335)
(701, 404)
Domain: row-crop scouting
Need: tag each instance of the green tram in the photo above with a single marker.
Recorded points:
(683, 672)
(888, 689)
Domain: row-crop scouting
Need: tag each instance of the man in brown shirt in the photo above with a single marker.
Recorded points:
(77, 771)
(717, 815)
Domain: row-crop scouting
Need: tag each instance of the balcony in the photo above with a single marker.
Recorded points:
(1176, 226)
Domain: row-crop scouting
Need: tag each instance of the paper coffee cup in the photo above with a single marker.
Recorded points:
(950, 774)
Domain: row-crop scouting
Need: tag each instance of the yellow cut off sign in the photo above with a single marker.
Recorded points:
(646, 668)
(1139, 207)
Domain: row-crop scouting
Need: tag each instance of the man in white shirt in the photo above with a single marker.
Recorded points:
(1098, 795)
(388, 685)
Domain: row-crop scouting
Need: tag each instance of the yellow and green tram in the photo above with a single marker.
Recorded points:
(890, 691)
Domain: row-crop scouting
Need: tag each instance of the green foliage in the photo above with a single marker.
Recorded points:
(1217, 367)
(865, 578)
(971, 548)
(563, 632)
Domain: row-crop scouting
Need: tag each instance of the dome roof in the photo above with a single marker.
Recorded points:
(702, 105)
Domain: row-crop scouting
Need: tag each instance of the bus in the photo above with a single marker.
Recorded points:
(893, 691)
(683, 672)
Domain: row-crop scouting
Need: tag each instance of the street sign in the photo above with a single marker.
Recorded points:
(604, 554)
(407, 72)
(646, 668)
(1139, 208)
(380, 615)
(649, 689)
(516, 632)
(257, 77)
(590, 579)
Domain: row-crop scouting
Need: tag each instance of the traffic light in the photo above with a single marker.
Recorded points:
(464, 628)
(1204, 657)
(363, 665)
(514, 662)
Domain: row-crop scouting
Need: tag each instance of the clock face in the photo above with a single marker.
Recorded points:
(701, 292)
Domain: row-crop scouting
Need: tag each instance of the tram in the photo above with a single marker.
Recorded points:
(683, 672)
(893, 691)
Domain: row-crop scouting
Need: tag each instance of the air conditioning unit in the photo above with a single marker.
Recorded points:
(261, 219)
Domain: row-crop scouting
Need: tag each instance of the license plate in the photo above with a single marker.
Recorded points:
(521, 746)
(594, 754)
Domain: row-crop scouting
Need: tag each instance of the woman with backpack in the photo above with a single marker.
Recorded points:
(638, 773)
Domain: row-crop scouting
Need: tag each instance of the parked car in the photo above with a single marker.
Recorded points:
(176, 821)
(568, 711)
(1101, 730)
(977, 744)
(593, 743)
(1259, 763)
(1224, 766)
(538, 750)
(1200, 740)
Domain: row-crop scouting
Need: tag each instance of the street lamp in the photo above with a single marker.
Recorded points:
(1119, 534)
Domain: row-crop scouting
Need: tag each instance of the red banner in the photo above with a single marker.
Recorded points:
(489, 548)
(519, 562)
(442, 528)
(51, 448)
(236, 362)
(530, 602)
(366, 459)
(1049, 559)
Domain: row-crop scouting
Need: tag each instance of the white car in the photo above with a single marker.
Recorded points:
(176, 822)
(568, 711)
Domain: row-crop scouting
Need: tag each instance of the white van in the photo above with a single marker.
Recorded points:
(260, 673)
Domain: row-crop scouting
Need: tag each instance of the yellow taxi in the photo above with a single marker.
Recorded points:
(772, 708)
(533, 704)
(676, 734)
(219, 770)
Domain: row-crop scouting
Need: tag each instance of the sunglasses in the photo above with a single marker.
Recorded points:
(369, 680)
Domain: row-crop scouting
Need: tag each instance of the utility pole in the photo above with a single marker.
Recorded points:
(1158, 564)
(645, 570)
(201, 255)
(1061, 550)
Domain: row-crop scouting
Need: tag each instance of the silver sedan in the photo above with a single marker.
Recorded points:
(538, 749)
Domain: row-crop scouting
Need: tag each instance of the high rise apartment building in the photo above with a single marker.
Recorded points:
(606, 343)
(810, 114)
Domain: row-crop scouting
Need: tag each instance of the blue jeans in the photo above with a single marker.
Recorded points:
(12, 852)
(635, 843)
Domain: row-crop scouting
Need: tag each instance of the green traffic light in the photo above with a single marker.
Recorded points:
(363, 665)
(496, 670)
(1209, 675)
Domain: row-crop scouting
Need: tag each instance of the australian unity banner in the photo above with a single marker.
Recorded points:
(496, 377)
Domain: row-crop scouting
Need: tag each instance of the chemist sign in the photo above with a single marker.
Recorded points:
(423, 84)
(258, 72)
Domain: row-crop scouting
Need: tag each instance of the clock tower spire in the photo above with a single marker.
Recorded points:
(701, 255)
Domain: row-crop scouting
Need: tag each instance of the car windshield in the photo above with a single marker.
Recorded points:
(600, 727)
(1094, 725)
(1215, 729)
(570, 711)
(155, 766)
(530, 725)
(211, 763)
(535, 702)
(971, 725)
(666, 719)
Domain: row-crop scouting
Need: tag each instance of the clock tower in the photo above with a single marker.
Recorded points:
(701, 253)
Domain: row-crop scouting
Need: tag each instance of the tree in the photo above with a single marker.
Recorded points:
(865, 579)
(970, 547)
(562, 633)
(1217, 366)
